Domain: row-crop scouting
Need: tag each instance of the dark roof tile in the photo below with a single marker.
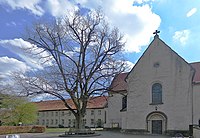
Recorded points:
(119, 83)
(196, 66)
(94, 102)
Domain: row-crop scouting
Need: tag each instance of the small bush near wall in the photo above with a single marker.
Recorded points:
(21, 129)
(174, 132)
(38, 129)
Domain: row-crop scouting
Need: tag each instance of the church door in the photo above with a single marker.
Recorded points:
(156, 126)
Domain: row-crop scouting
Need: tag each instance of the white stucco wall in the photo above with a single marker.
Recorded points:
(175, 76)
(65, 116)
(196, 103)
(114, 107)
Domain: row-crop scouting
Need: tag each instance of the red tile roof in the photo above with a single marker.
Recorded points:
(93, 103)
(196, 66)
(119, 83)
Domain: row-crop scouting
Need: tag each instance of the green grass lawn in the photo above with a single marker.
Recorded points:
(56, 129)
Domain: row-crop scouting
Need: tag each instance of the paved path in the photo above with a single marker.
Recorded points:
(104, 134)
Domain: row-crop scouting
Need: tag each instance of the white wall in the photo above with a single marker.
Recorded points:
(196, 103)
(68, 116)
(114, 107)
(174, 74)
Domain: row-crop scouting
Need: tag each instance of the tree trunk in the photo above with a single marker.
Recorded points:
(79, 121)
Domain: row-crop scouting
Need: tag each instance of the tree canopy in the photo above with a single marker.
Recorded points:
(81, 53)
(15, 110)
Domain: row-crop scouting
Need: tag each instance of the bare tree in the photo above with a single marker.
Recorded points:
(84, 54)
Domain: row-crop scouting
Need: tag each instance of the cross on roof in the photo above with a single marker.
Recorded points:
(156, 33)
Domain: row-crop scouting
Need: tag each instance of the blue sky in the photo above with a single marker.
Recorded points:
(178, 21)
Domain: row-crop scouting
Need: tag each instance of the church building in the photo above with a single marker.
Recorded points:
(160, 95)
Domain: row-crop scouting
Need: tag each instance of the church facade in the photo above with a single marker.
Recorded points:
(160, 95)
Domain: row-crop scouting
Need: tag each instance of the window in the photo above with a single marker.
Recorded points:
(56, 121)
(92, 121)
(63, 113)
(47, 122)
(51, 113)
(124, 102)
(56, 113)
(99, 123)
(69, 123)
(74, 122)
(63, 121)
(92, 112)
(43, 122)
(84, 122)
(157, 93)
(47, 113)
(51, 121)
(99, 112)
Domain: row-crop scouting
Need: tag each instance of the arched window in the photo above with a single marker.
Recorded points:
(156, 93)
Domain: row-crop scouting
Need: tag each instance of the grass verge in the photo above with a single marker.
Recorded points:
(49, 130)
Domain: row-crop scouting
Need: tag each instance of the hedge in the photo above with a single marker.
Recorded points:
(21, 129)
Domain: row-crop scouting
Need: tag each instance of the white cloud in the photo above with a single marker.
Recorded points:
(137, 23)
(11, 24)
(32, 5)
(130, 65)
(60, 8)
(10, 65)
(33, 56)
(191, 12)
(181, 36)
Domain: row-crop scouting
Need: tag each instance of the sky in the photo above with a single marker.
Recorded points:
(177, 21)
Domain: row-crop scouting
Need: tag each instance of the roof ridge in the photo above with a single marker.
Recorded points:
(195, 62)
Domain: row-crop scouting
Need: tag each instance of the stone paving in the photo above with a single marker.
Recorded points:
(104, 134)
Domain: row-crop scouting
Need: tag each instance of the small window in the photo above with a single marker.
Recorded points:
(56, 113)
(74, 122)
(99, 112)
(51, 121)
(63, 113)
(63, 121)
(51, 113)
(92, 121)
(156, 64)
(92, 112)
(157, 93)
(99, 123)
(69, 121)
(47, 122)
(84, 122)
(124, 102)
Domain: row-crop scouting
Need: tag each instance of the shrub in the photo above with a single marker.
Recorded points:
(38, 129)
(174, 132)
